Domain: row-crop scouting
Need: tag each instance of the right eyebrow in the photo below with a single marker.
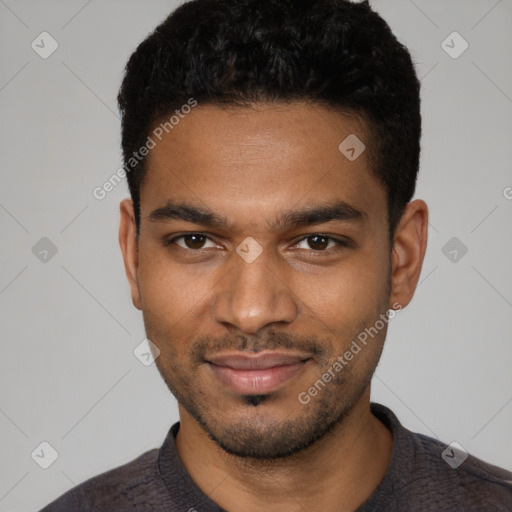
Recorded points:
(188, 213)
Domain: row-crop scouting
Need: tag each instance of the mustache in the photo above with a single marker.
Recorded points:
(205, 346)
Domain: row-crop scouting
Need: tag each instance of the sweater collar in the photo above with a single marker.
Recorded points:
(188, 496)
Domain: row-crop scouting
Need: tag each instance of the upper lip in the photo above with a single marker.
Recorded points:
(259, 361)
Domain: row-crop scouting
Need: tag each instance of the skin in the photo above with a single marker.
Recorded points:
(301, 295)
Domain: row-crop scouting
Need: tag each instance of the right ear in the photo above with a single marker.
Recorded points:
(129, 247)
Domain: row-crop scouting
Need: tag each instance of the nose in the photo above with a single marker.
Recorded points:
(254, 295)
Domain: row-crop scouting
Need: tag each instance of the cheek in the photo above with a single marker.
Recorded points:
(173, 300)
(351, 293)
(164, 287)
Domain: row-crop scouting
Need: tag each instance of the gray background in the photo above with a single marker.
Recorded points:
(68, 373)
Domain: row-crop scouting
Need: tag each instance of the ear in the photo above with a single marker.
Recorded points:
(409, 246)
(129, 247)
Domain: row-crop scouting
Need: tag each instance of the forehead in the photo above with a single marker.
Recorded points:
(252, 161)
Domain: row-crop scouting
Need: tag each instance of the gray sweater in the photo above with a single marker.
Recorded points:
(419, 478)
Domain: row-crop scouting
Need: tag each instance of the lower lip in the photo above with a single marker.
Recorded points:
(256, 382)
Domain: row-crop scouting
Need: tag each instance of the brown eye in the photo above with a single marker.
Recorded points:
(318, 242)
(194, 241)
(191, 241)
(321, 244)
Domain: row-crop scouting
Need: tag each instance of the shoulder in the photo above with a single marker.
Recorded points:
(118, 487)
(427, 473)
(455, 474)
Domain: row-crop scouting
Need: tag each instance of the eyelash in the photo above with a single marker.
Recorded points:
(340, 243)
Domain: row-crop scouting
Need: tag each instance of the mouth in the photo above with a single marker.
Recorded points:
(256, 374)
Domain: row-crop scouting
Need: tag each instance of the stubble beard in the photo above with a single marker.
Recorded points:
(253, 435)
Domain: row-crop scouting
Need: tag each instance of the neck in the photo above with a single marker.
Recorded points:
(339, 472)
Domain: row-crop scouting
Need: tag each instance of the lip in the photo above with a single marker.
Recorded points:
(256, 373)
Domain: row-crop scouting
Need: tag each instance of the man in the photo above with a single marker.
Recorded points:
(271, 149)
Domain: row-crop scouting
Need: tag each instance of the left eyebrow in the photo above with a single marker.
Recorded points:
(340, 211)
(337, 211)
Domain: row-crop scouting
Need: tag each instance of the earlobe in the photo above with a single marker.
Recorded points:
(409, 246)
(129, 248)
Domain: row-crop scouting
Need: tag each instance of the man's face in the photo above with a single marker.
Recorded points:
(251, 313)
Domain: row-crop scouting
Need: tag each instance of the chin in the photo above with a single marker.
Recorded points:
(258, 433)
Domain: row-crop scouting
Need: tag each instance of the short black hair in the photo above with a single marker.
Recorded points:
(331, 53)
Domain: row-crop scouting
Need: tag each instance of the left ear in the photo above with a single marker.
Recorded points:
(409, 246)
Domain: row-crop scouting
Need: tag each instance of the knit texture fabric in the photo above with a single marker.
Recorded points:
(418, 479)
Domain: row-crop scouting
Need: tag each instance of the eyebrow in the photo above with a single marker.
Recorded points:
(337, 211)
